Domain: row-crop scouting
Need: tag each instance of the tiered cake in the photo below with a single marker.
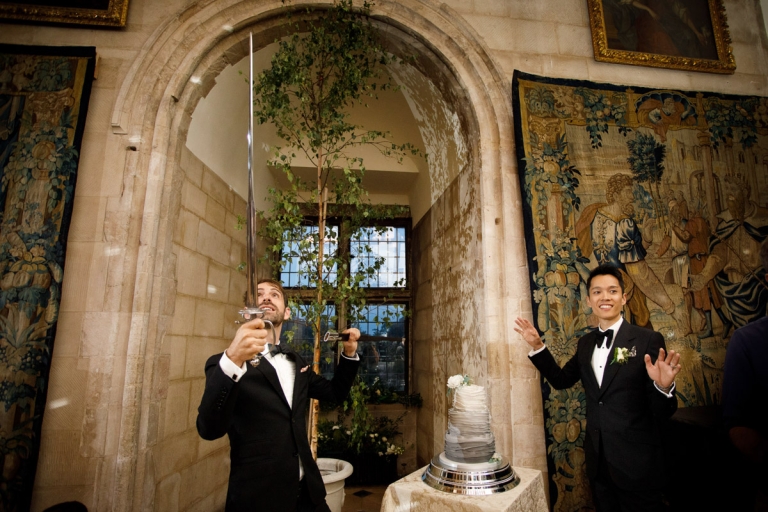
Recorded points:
(469, 438)
(469, 464)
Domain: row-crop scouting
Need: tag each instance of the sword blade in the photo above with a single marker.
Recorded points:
(250, 267)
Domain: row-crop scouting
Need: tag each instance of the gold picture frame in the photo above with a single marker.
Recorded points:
(107, 13)
(675, 34)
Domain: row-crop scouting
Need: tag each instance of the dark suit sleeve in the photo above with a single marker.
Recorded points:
(214, 415)
(661, 406)
(559, 378)
(337, 389)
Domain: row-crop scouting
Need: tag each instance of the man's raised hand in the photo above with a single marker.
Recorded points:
(350, 346)
(665, 369)
(529, 333)
(250, 339)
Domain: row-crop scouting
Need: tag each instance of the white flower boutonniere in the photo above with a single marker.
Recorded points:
(621, 355)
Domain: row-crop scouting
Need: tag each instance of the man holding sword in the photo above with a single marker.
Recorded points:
(263, 409)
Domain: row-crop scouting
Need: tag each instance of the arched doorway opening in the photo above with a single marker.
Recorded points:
(467, 232)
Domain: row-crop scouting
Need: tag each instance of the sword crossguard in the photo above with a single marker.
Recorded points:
(336, 336)
(249, 313)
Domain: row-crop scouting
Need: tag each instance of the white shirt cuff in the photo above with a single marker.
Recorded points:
(668, 395)
(230, 369)
(356, 358)
(534, 352)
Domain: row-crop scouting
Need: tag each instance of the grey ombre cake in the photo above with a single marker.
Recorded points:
(469, 438)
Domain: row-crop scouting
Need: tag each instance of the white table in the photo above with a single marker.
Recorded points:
(410, 493)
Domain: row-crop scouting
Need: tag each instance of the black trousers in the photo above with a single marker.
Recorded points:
(608, 497)
(305, 504)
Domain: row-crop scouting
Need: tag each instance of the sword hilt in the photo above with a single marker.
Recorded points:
(249, 313)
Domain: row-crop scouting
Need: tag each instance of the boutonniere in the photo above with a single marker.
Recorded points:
(304, 369)
(621, 355)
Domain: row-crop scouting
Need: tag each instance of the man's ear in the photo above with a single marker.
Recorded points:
(287, 314)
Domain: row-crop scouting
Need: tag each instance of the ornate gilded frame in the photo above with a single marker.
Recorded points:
(725, 62)
(114, 15)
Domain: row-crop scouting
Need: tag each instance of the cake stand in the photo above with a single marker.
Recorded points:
(481, 479)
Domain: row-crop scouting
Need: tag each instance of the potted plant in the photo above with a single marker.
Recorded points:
(333, 60)
(370, 444)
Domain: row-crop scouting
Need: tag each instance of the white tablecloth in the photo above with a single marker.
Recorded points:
(410, 493)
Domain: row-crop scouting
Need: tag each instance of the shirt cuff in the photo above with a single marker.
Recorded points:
(356, 358)
(230, 369)
(534, 352)
(668, 395)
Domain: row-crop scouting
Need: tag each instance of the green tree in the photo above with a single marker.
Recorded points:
(333, 60)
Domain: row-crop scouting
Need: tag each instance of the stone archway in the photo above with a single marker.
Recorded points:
(177, 66)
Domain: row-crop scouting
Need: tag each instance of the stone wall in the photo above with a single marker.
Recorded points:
(191, 473)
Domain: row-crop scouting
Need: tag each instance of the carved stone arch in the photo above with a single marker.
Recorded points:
(179, 64)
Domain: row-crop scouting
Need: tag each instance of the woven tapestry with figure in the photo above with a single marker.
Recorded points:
(671, 187)
(43, 100)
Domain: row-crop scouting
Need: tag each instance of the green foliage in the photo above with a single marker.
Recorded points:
(566, 421)
(646, 158)
(600, 110)
(356, 431)
(549, 168)
(330, 63)
(381, 394)
(333, 60)
(722, 117)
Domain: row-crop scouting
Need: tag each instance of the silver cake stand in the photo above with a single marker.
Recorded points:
(473, 479)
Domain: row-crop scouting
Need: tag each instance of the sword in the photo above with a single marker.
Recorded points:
(331, 336)
(251, 309)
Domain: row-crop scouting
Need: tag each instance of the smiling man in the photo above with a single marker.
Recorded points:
(263, 411)
(629, 381)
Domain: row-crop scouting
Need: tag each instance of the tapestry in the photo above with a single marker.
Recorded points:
(603, 166)
(43, 101)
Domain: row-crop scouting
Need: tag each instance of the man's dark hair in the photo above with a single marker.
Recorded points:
(764, 255)
(606, 270)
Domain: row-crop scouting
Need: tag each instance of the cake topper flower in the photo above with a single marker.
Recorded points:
(457, 381)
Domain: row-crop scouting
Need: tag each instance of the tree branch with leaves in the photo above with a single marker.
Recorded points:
(333, 60)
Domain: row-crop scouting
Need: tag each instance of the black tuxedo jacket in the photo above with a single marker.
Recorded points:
(266, 436)
(624, 414)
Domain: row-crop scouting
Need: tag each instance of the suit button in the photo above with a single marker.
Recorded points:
(600, 403)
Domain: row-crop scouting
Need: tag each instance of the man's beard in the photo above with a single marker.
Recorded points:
(276, 316)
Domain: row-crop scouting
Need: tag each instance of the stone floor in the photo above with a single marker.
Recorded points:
(366, 498)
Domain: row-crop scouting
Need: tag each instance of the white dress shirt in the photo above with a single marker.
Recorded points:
(602, 354)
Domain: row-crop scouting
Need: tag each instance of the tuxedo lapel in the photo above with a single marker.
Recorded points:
(270, 373)
(588, 374)
(623, 339)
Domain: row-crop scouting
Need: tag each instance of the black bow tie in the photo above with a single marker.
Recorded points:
(605, 335)
(280, 349)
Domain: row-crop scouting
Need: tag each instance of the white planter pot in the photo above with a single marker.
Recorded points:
(334, 473)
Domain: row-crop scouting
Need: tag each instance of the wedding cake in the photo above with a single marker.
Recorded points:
(469, 438)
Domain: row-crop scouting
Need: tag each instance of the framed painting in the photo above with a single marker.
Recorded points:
(107, 13)
(676, 34)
